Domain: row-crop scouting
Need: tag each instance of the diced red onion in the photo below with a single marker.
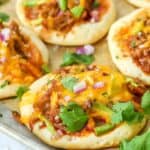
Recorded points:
(99, 85)
(2, 38)
(80, 50)
(95, 16)
(67, 98)
(87, 50)
(60, 132)
(2, 59)
(5, 34)
(79, 87)
(60, 13)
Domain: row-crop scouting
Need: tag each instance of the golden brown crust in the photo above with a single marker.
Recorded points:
(140, 3)
(111, 139)
(79, 35)
(126, 64)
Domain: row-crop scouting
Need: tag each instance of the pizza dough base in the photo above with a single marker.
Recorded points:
(126, 64)
(10, 90)
(86, 33)
(111, 139)
(140, 3)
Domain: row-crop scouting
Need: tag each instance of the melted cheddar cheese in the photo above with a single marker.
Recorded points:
(17, 65)
(114, 89)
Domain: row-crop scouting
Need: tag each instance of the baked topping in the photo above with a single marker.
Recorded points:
(62, 15)
(79, 100)
(135, 40)
(16, 56)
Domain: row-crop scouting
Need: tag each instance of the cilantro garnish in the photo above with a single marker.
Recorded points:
(73, 58)
(125, 112)
(96, 4)
(138, 143)
(30, 3)
(46, 69)
(73, 117)
(21, 90)
(146, 102)
(4, 17)
(69, 82)
(77, 11)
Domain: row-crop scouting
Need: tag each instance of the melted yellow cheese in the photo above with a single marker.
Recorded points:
(26, 106)
(114, 90)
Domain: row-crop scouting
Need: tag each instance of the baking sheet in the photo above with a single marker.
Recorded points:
(7, 124)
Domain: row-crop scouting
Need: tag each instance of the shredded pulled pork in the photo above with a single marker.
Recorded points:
(137, 44)
(138, 89)
(53, 18)
(51, 99)
(22, 60)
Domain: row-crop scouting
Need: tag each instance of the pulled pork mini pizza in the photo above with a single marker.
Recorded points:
(22, 56)
(73, 22)
(83, 107)
(140, 3)
(129, 44)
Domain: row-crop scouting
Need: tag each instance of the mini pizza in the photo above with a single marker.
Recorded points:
(129, 44)
(83, 107)
(140, 3)
(73, 22)
(22, 56)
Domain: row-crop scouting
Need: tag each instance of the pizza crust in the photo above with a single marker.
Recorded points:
(40, 45)
(10, 90)
(111, 139)
(79, 35)
(126, 64)
(140, 3)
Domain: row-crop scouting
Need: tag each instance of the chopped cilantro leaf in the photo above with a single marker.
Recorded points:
(21, 90)
(103, 129)
(146, 102)
(46, 69)
(4, 17)
(141, 142)
(73, 58)
(73, 117)
(125, 112)
(77, 11)
(69, 82)
(96, 4)
(63, 4)
(30, 3)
